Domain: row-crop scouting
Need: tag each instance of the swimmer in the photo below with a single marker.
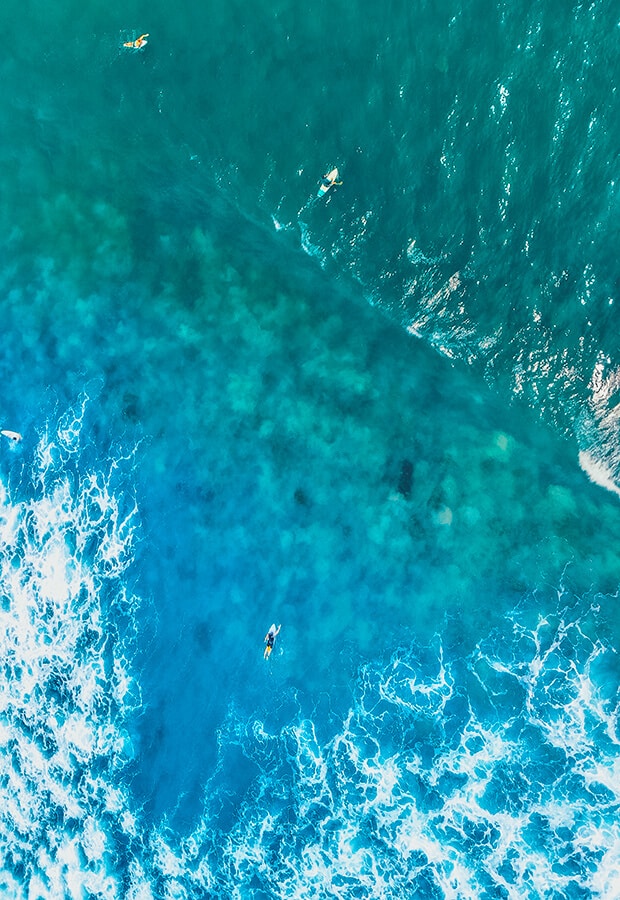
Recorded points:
(270, 639)
(14, 436)
(138, 44)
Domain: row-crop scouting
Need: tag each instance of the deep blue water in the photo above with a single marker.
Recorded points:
(386, 419)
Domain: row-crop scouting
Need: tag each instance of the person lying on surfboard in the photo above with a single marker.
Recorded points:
(270, 639)
(329, 180)
(138, 44)
(14, 436)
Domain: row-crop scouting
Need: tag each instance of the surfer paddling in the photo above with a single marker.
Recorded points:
(14, 436)
(328, 182)
(138, 44)
(270, 639)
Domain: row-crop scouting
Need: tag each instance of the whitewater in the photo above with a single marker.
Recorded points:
(386, 418)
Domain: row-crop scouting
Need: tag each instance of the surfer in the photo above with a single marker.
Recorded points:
(138, 44)
(328, 181)
(14, 436)
(270, 639)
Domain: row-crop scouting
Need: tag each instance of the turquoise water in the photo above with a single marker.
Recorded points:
(386, 420)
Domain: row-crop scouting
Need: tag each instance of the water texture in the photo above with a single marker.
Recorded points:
(386, 419)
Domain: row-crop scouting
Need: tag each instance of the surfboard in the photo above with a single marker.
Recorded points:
(138, 44)
(328, 181)
(274, 632)
(11, 435)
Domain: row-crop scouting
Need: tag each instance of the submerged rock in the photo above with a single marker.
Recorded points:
(406, 478)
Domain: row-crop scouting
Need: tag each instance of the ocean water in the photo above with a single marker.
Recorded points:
(386, 419)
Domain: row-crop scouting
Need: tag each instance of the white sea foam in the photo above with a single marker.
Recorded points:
(495, 775)
(450, 779)
(598, 472)
(599, 457)
(65, 540)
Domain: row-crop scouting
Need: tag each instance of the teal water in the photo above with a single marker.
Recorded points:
(386, 419)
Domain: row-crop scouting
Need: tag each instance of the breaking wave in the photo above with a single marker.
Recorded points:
(491, 775)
